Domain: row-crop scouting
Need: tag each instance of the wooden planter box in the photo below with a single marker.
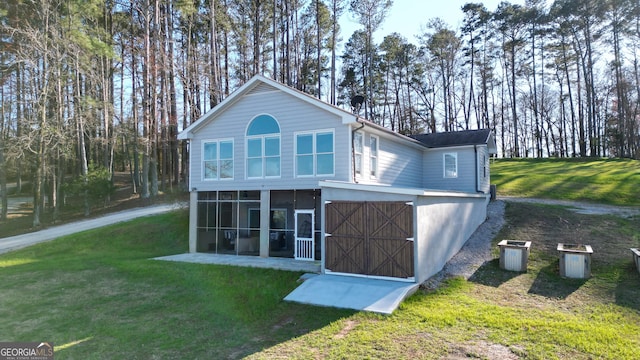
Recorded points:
(575, 260)
(514, 255)
(636, 258)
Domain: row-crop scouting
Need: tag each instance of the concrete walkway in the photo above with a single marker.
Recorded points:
(20, 241)
(346, 292)
(349, 292)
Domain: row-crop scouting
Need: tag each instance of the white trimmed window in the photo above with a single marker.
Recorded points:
(263, 147)
(484, 166)
(358, 146)
(314, 153)
(450, 165)
(373, 156)
(217, 160)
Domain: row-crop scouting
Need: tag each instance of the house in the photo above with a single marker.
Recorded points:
(275, 172)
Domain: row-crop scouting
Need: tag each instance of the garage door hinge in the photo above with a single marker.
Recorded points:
(410, 203)
(410, 239)
(327, 235)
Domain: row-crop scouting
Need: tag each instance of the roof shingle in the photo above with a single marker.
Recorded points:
(454, 138)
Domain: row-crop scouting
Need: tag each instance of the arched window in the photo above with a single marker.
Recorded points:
(263, 125)
(263, 147)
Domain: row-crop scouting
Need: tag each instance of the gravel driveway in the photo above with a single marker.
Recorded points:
(19, 241)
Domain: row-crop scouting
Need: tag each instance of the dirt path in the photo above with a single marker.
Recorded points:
(19, 203)
(20, 241)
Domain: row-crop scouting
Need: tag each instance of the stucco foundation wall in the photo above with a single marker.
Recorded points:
(444, 226)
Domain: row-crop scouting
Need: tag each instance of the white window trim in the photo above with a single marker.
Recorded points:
(485, 166)
(263, 156)
(295, 153)
(233, 156)
(314, 152)
(356, 153)
(263, 144)
(372, 156)
(444, 165)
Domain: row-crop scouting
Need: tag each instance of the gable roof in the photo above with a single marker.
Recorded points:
(434, 140)
(247, 88)
(458, 138)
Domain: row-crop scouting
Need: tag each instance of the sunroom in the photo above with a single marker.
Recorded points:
(231, 222)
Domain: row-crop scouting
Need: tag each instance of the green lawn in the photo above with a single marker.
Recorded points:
(97, 295)
(608, 181)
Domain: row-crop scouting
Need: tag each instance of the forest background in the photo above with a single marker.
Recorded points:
(93, 87)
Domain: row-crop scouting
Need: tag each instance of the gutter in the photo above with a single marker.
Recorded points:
(386, 189)
(475, 151)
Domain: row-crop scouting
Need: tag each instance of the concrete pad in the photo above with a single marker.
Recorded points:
(286, 264)
(348, 292)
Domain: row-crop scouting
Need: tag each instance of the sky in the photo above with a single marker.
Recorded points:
(409, 17)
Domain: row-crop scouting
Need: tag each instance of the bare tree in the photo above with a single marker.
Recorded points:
(444, 46)
(370, 14)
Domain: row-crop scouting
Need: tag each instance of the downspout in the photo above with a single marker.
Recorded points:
(189, 152)
(475, 150)
(353, 152)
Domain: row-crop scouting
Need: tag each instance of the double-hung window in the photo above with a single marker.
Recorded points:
(358, 146)
(373, 156)
(217, 160)
(484, 166)
(315, 153)
(450, 165)
(263, 147)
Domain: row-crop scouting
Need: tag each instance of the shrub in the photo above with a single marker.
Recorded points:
(97, 187)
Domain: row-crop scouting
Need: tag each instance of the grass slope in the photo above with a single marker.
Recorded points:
(97, 295)
(607, 181)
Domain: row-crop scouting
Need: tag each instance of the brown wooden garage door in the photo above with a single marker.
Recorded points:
(369, 238)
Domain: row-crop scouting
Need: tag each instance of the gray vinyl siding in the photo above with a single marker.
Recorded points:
(261, 88)
(399, 165)
(434, 170)
(293, 115)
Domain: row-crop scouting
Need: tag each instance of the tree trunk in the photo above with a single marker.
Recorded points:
(3, 182)
(514, 114)
(173, 106)
(146, 99)
(3, 166)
